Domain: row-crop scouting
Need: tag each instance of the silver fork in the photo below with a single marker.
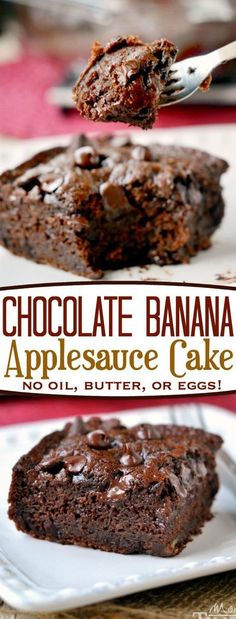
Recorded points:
(186, 76)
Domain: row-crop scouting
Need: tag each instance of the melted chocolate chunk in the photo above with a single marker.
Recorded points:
(146, 431)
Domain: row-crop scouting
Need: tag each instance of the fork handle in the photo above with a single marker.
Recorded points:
(223, 54)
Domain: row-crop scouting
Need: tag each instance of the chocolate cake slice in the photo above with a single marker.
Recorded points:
(144, 489)
(107, 203)
(124, 80)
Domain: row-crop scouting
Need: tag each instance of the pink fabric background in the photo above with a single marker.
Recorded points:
(25, 113)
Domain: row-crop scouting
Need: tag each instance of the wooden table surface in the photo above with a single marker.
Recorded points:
(180, 601)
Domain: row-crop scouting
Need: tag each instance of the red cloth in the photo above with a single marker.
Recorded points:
(23, 409)
(25, 111)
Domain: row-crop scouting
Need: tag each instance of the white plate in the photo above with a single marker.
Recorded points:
(215, 266)
(42, 576)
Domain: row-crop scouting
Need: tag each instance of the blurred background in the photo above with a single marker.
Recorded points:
(44, 45)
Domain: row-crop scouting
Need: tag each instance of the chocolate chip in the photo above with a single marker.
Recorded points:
(86, 157)
(77, 142)
(130, 457)
(120, 141)
(141, 153)
(117, 441)
(30, 175)
(115, 492)
(29, 182)
(201, 469)
(93, 423)
(51, 186)
(35, 193)
(98, 439)
(179, 488)
(115, 157)
(52, 464)
(113, 197)
(19, 193)
(75, 464)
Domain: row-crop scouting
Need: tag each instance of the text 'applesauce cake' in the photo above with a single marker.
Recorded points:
(107, 203)
(124, 80)
(144, 489)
